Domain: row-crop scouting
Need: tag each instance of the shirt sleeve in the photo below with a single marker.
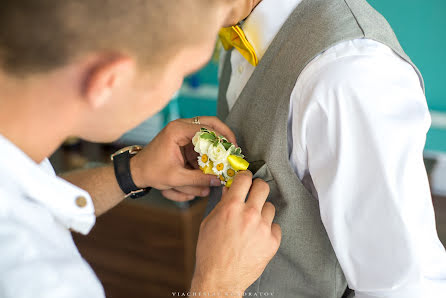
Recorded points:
(31, 265)
(359, 125)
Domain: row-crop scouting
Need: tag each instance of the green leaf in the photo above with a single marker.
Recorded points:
(207, 136)
(238, 152)
(227, 145)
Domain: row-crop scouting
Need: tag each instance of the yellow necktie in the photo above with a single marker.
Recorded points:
(234, 37)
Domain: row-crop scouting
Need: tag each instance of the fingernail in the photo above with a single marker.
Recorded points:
(205, 192)
(215, 182)
(190, 197)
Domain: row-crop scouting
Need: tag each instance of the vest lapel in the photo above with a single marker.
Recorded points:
(222, 104)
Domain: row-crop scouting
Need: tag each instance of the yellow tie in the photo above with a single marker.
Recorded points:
(234, 37)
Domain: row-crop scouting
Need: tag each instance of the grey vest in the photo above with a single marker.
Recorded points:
(305, 265)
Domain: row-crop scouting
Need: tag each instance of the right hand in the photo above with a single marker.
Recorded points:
(237, 239)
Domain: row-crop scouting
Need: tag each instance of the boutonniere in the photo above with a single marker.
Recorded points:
(218, 156)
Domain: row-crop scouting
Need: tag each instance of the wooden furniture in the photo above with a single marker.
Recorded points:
(140, 249)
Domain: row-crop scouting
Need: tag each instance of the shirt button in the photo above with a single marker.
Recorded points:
(241, 69)
(81, 202)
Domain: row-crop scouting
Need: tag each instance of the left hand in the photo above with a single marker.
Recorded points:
(167, 163)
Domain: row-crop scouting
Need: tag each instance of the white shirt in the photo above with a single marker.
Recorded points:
(357, 127)
(38, 257)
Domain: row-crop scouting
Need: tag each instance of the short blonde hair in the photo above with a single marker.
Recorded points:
(41, 35)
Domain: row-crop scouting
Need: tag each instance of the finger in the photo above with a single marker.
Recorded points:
(176, 196)
(239, 188)
(181, 131)
(197, 191)
(268, 212)
(186, 177)
(220, 127)
(258, 194)
(224, 191)
(276, 232)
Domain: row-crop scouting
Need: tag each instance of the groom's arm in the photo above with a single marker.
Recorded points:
(359, 125)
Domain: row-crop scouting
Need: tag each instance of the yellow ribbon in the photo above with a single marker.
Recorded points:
(234, 37)
(238, 163)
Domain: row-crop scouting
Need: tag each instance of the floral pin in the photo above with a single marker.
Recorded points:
(218, 156)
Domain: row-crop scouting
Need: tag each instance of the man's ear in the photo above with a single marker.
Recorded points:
(105, 77)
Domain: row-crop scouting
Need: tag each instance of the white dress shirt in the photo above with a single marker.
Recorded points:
(38, 257)
(357, 127)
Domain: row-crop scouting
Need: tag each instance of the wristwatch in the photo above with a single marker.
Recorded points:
(121, 163)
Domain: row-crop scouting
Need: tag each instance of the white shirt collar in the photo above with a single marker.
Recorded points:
(20, 175)
(265, 22)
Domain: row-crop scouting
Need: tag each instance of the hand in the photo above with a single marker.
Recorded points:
(238, 10)
(237, 239)
(163, 163)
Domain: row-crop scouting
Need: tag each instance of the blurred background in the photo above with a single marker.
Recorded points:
(146, 247)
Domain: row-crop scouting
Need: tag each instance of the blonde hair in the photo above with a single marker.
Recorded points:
(41, 35)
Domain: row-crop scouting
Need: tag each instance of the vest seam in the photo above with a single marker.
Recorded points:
(356, 19)
(227, 68)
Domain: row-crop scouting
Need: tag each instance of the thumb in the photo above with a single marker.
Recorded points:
(196, 178)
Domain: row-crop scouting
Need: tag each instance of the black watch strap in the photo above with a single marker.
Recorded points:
(121, 163)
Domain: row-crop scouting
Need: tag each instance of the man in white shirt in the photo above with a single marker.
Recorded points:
(95, 69)
(357, 125)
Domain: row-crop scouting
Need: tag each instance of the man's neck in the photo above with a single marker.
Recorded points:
(32, 120)
(265, 22)
(37, 145)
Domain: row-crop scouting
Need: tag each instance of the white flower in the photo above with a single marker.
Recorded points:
(201, 145)
(221, 167)
(218, 154)
(196, 137)
(203, 160)
(230, 173)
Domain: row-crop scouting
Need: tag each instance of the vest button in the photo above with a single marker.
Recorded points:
(81, 202)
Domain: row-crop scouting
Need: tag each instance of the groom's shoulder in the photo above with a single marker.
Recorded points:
(360, 61)
(353, 73)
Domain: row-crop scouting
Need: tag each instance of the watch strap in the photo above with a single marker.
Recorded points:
(121, 164)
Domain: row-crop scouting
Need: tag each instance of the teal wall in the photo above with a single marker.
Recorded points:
(421, 28)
